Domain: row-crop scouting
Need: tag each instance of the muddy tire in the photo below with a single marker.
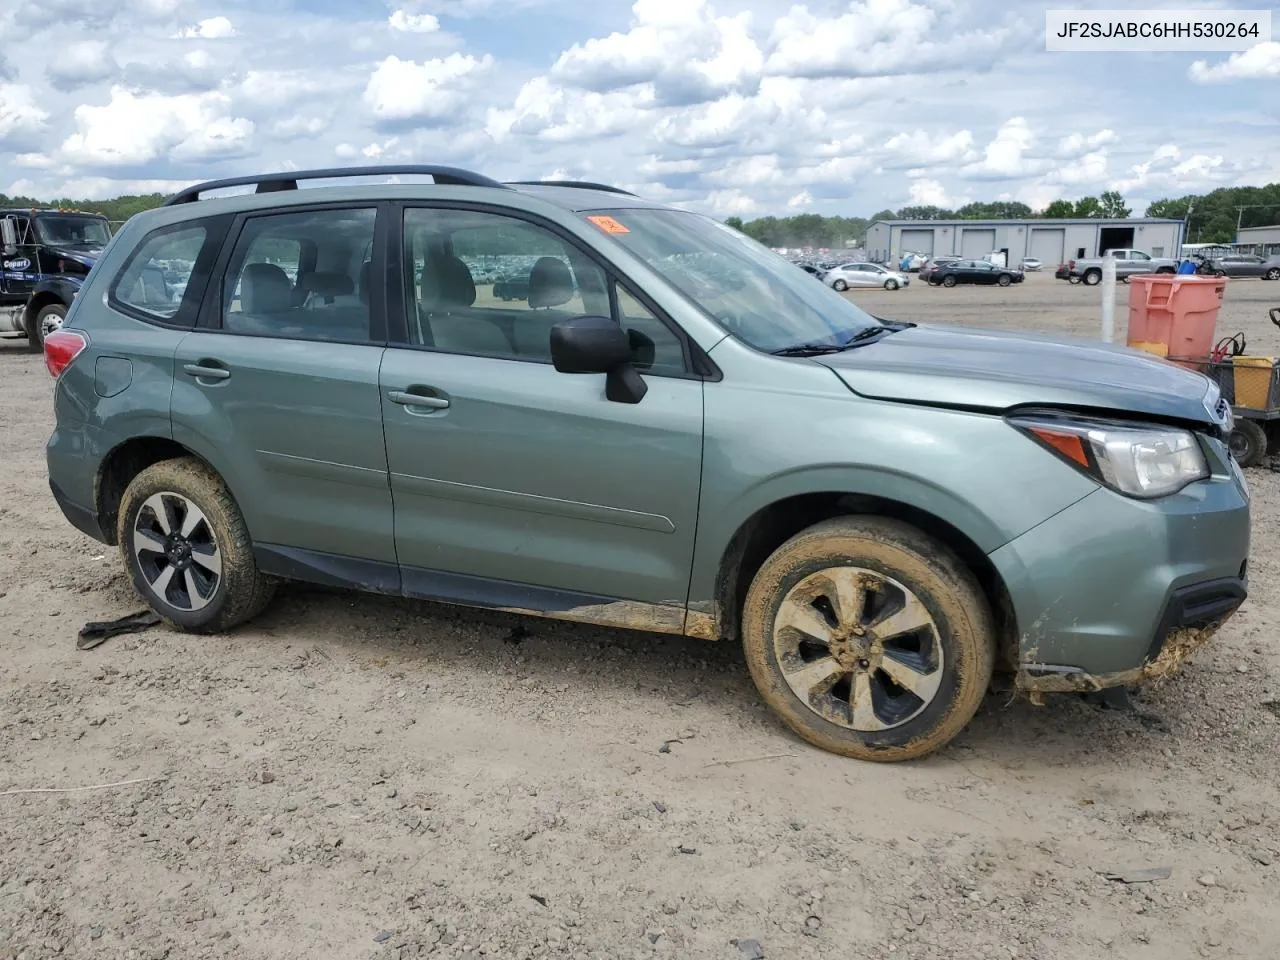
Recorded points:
(46, 320)
(1248, 442)
(895, 675)
(187, 549)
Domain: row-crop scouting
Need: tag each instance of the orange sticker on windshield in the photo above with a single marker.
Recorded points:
(608, 224)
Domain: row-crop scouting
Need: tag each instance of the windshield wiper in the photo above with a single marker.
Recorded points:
(816, 349)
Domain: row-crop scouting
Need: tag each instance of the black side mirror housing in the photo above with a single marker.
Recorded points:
(598, 345)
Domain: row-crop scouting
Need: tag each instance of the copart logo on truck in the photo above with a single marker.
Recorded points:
(19, 265)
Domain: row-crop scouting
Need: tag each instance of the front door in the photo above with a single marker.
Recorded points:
(509, 475)
(280, 383)
(20, 269)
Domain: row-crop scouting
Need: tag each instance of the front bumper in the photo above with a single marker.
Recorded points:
(1114, 591)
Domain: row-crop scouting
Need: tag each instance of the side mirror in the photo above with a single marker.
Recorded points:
(598, 345)
(9, 236)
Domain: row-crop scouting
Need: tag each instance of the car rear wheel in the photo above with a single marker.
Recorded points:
(1092, 278)
(869, 639)
(948, 281)
(187, 549)
(1248, 442)
(840, 285)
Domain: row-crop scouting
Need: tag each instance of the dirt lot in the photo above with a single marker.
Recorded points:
(355, 777)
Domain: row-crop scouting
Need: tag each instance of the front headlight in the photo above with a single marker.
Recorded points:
(1139, 461)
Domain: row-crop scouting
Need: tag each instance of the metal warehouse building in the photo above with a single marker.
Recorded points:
(1051, 241)
(1262, 240)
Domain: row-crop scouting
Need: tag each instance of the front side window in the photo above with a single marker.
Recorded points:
(746, 288)
(155, 278)
(302, 276)
(491, 285)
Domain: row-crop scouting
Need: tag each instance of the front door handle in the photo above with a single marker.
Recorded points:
(204, 372)
(417, 400)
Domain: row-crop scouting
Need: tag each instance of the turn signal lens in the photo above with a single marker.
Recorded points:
(1067, 444)
(61, 347)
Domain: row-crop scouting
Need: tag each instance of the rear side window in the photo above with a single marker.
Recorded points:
(302, 276)
(153, 283)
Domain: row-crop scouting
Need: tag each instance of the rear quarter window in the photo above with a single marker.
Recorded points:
(165, 275)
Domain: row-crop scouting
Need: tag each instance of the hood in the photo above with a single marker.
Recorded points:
(81, 255)
(994, 370)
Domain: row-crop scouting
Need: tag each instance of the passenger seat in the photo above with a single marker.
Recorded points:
(448, 291)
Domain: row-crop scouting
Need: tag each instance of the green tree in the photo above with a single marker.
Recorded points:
(997, 210)
(1088, 207)
(1060, 210)
(927, 212)
(884, 215)
(1113, 205)
(736, 223)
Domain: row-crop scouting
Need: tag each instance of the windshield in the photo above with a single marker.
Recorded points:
(752, 292)
(65, 231)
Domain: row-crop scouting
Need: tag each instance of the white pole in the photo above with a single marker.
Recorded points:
(1108, 298)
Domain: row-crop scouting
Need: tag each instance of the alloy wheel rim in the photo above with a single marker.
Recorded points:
(858, 648)
(176, 551)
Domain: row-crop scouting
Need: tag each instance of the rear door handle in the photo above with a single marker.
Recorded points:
(203, 372)
(417, 400)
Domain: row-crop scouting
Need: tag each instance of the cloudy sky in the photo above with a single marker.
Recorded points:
(744, 107)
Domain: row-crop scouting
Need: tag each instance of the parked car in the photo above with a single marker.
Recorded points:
(973, 271)
(864, 275)
(1244, 265)
(1129, 263)
(1031, 263)
(511, 288)
(676, 432)
(933, 265)
(813, 270)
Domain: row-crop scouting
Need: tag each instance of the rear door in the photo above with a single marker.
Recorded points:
(279, 384)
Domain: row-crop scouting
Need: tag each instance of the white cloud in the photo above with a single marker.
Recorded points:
(552, 113)
(213, 28)
(921, 148)
(400, 90)
(931, 193)
(1076, 144)
(413, 22)
(683, 49)
(21, 119)
(801, 200)
(1005, 156)
(138, 128)
(1259, 62)
(96, 188)
(80, 64)
(878, 38)
(730, 203)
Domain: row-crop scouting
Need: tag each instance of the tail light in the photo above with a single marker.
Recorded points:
(62, 347)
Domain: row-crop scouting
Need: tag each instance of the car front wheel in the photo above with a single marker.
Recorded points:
(891, 284)
(1273, 274)
(48, 320)
(869, 639)
(187, 549)
(1004, 280)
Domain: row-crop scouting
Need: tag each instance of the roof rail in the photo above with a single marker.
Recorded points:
(579, 184)
(288, 180)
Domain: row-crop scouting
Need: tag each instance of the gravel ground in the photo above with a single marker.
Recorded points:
(362, 777)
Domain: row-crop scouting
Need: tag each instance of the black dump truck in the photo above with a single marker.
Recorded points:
(45, 256)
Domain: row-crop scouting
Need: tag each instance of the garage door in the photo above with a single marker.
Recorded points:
(917, 241)
(976, 244)
(1048, 245)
